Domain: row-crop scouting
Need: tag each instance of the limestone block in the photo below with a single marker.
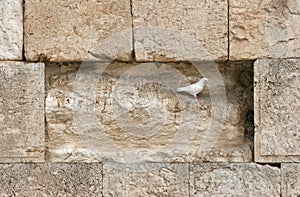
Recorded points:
(290, 179)
(11, 29)
(132, 113)
(51, 179)
(21, 112)
(264, 29)
(277, 107)
(249, 179)
(146, 179)
(77, 30)
(180, 30)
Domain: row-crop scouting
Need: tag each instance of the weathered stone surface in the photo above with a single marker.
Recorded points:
(290, 179)
(277, 107)
(180, 30)
(217, 179)
(264, 29)
(133, 113)
(149, 179)
(21, 111)
(69, 30)
(51, 179)
(11, 29)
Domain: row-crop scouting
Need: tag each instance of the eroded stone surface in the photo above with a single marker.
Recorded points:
(11, 29)
(217, 179)
(180, 30)
(290, 179)
(51, 179)
(277, 106)
(134, 114)
(68, 30)
(264, 29)
(21, 111)
(149, 179)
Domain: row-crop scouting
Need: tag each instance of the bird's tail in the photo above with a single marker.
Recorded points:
(181, 89)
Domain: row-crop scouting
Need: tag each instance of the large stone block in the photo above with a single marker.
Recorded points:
(11, 29)
(180, 30)
(131, 113)
(217, 179)
(75, 30)
(290, 179)
(21, 111)
(264, 29)
(51, 179)
(149, 179)
(277, 107)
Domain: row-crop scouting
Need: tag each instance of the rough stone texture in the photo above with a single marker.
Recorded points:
(21, 111)
(179, 30)
(290, 183)
(133, 113)
(151, 179)
(69, 30)
(217, 179)
(11, 29)
(264, 29)
(51, 179)
(277, 106)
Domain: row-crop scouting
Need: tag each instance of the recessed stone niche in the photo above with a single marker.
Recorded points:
(131, 112)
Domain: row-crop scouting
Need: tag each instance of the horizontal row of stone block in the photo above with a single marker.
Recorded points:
(149, 179)
(176, 30)
(130, 112)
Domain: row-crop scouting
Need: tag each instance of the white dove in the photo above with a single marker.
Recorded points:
(195, 88)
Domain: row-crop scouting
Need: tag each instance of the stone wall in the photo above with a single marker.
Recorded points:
(89, 107)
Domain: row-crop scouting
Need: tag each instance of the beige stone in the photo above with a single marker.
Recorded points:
(77, 30)
(277, 106)
(146, 179)
(290, 179)
(180, 30)
(131, 113)
(21, 112)
(217, 179)
(264, 29)
(51, 179)
(11, 29)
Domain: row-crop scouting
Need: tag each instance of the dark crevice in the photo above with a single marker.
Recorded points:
(189, 178)
(132, 28)
(46, 138)
(228, 30)
(249, 129)
(276, 165)
(23, 39)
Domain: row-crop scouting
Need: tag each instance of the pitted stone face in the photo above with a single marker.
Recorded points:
(21, 112)
(69, 30)
(133, 113)
(277, 101)
(264, 29)
(11, 29)
(174, 28)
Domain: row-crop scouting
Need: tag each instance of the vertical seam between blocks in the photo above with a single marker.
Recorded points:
(23, 32)
(132, 29)
(228, 29)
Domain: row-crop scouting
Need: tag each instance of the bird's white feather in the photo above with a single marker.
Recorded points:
(195, 88)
